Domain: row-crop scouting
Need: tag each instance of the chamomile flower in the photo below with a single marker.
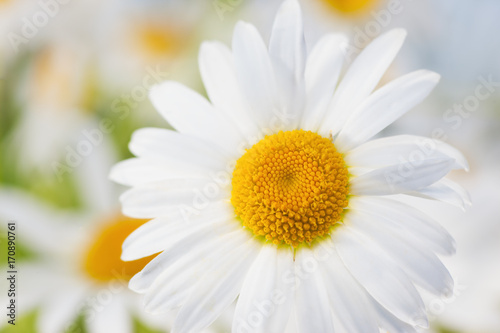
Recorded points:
(153, 34)
(54, 106)
(271, 194)
(76, 269)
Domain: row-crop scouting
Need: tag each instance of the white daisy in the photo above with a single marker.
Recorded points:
(270, 194)
(155, 35)
(77, 267)
(52, 97)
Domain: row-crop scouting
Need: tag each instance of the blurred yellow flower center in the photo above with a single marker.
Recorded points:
(102, 261)
(53, 82)
(291, 187)
(159, 41)
(351, 6)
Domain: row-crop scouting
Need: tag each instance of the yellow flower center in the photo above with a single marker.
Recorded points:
(351, 6)
(291, 187)
(159, 41)
(102, 260)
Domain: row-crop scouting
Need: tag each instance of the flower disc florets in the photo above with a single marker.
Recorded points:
(290, 187)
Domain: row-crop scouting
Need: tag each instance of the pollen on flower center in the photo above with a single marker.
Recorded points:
(291, 187)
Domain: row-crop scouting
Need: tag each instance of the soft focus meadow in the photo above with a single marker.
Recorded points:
(74, 81)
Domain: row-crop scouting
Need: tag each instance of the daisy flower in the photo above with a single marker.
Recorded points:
(53, 100)
(271, 194)
(76, 269)
(154, 35)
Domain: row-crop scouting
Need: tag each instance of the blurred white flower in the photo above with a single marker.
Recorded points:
(137, 35)
(77, 268)
(53, 95)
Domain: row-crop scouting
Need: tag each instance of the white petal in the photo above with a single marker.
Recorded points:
(156, 321)
(257, 288)
(392, 150)
(288, 55)
(447, 191)
(143, 280)
(385, 106)
(313, 309)
(157, 199)
(158, 234)
(219, 77)
(290, 100)
(62, 309)
(97, 192)
(379, 275)
(390, 323)
(361, 78)
(285, 288)
(349, 300)
(177, 280)
(323, 67)
(139, 171)
(409, 223)
(111, 317)
(40, 222)
(421, 265)
(287, 41)
(217, 290)
(178, 150)
(190, 113)
(263, 295)
(254, 72)
(34, 274)
(401, 178)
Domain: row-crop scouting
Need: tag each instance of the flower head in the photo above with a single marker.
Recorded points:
(75, 271)
(270, 193)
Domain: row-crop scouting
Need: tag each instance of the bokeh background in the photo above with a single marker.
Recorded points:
(74, 76)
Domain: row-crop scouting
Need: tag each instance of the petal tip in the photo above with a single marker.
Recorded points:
(399, 32)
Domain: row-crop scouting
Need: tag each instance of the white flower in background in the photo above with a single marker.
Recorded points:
(28, 25)
(343, 14)
(351, 17)
(54, 105)
(155, 35)
(271, 193)
(78, 271)
(77, 267)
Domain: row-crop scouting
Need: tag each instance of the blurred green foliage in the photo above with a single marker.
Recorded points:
(27, 324)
